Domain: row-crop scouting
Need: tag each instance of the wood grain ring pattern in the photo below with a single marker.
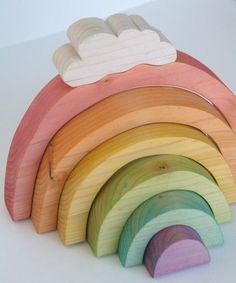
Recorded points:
(92, 172)
(57, 103)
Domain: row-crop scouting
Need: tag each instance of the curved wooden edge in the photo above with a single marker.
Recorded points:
(39, 123)
(123, 112)
(99, 165)
(140, 180)
(162, 211)
(173, 249)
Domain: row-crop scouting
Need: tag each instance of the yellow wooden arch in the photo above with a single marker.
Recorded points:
(99, 165)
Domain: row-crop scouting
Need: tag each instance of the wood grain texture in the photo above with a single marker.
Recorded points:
(98, 48)
(162, 211)
(137, 182)
(99, 165)
(173, 249)
(57, 103)
(124, 111)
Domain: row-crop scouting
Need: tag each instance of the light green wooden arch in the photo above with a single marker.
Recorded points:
(162, 211)
(138, 181)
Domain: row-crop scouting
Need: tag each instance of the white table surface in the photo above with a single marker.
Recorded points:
(204, 29)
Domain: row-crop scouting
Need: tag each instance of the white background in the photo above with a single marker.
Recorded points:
(30, 19)
(205, 29)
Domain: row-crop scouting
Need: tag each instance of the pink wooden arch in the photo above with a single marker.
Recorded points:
(57, 103)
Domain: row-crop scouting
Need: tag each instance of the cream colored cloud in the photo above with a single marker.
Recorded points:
(98, 48)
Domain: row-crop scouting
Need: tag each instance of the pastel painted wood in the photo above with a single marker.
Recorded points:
(57, 103)
(138, 181)
(99, 48)
(174, 249)
(162, 211)
(124, 111)
(99, 165)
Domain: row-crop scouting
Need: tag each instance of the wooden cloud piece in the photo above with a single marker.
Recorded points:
(57, 103)
(124, 111)
(98, 48)
(138, 181)
(100, 164)
(173, 249)
(162, 211)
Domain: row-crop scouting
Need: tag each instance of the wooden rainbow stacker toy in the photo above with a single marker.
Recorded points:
(131, 148)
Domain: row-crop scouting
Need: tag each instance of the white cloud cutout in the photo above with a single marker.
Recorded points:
(98, 48)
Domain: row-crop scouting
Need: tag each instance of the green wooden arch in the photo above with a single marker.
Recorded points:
(162, 211)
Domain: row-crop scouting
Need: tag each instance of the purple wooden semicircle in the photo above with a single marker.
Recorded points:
(173, 249)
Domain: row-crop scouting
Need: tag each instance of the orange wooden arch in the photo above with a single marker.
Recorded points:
(111, 117)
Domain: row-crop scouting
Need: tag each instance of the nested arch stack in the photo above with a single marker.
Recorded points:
(137, 160)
